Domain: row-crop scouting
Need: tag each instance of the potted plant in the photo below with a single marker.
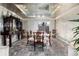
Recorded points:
(76, 37)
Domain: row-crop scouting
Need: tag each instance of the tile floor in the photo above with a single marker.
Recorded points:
(20, 48)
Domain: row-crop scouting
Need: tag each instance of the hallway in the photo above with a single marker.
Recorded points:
(44, 23)
(21, 48)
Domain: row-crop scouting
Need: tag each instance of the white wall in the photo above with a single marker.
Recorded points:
(64, 29)
(4, 51)
(33, 24)
(64, 26)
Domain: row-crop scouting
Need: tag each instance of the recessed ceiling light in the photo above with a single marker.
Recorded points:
(43, 16)
(38, 16)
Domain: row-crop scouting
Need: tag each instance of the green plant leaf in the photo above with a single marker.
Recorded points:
(75, 20)
(77, 49)
(75, 35)
(76, 32)
(76, 28)
(76, 41)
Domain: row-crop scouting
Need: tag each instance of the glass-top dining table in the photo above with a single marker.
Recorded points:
(39, 38)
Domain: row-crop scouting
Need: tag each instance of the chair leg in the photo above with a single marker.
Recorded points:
(4, 40)
(27, 39)
(10, 41)
(34, 46)
(42, 46)
(50, 40)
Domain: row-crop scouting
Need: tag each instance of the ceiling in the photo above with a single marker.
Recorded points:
(50, 10)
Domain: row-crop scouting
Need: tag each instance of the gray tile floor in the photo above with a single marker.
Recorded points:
(20, 48)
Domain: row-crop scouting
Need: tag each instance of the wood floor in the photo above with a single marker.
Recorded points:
(21, 48)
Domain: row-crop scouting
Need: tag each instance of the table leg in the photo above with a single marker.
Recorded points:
(43, 43)
(10, 41)
(50, 40)
(34, 44)
(4, 40)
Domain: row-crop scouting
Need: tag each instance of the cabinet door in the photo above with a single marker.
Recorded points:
(6, 24)
(18, 24)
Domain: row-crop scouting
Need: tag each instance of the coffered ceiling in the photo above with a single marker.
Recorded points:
(50, 10)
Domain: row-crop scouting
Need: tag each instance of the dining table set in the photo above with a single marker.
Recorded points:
(39, 38)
